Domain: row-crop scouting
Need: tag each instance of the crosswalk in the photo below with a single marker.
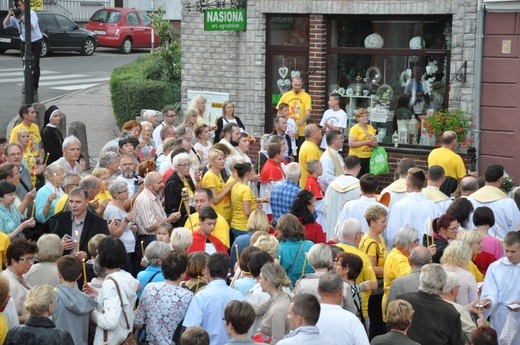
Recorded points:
(53, 79)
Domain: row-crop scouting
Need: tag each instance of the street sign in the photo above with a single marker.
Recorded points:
(225, 19)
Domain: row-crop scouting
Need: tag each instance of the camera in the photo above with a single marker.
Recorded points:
(138, 180)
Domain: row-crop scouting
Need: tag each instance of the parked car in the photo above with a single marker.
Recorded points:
(59, 34)
(123, 28)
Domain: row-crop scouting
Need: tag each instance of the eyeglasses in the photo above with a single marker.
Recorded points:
(454, 228)
(169, 115)
(184, 165)
(123, 192)
(28, 260)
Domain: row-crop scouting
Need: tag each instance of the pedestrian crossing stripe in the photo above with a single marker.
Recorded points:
(54, 80)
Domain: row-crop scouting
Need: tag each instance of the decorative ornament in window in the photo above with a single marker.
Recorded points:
(417, 42)
(373, 75)
(374, 41)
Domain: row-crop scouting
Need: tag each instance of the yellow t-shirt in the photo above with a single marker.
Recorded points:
(240, 193)
(357, 132)
(3, 328)
(308, 152)
(479, 277)
(377, 250)
(34, 135)
(367, 273)
(102, 196)
(299, 103)
(4, 243)
(211, 180)
(60, 204)
(396, 265)
(449, 160)
(221, 227)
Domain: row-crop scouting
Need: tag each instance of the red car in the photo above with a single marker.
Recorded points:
(123, 28)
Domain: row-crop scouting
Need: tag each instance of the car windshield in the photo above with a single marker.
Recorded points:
(106, 16)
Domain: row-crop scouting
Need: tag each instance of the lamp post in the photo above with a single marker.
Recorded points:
(28, 58)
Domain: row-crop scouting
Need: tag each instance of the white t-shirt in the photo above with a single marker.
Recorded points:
(341, 326)
(335, 118)
(127, 237)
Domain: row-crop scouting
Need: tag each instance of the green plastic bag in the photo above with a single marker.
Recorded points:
(379, 161)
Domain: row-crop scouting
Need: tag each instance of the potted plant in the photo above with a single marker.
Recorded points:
(449, 120)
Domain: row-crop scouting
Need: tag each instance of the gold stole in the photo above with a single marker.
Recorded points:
(338, 169)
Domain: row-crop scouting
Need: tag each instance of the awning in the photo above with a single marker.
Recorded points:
(502, 5)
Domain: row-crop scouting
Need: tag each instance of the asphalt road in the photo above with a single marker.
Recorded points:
(61, 73)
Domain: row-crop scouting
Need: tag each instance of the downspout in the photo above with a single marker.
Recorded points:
(478, 75)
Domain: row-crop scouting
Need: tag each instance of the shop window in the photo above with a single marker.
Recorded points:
(397, 67)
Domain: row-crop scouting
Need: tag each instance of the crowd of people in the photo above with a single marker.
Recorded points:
(180, 236)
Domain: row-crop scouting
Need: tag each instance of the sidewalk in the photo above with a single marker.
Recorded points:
(93, 107)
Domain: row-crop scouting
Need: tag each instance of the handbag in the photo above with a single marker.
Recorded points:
(379, 161)
(130, 339)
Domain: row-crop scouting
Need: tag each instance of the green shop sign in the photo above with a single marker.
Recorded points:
(221, 19)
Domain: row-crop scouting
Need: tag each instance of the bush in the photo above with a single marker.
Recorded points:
(150, 82)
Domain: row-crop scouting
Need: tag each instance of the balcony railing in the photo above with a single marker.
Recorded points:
(77, 10)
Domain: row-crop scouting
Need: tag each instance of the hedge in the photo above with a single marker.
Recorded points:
(136, 86)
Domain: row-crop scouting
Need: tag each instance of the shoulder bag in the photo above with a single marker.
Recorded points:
(130, 339)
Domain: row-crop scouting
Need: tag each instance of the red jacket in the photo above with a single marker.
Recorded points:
(199, 243)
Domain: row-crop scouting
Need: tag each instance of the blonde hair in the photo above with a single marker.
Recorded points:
(4, 289)
(457, 254)
(214, 154)
(187, 114)
(258, 221)
(275, 274)
(21, 132)
(98, 172)
(181, 239)
(39, 299)
(470, 236)
(49, 248)
(399, 314)
(267, 243)
(93, 244)
(360, 112)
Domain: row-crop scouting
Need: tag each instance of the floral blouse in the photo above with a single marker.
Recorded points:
(161, 308)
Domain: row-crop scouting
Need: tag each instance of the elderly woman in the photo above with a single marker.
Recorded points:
(198, 103)
(456, 259)
(213, 180)
(228, 115)
(478, 258)
(203, 145)
(48, 195)
(373, 244)
(10, 217)
(39, 329)
(396, 263)
(275, 324)
(268, 243)
(445, 229)
(303, 207)
(154, 252)
(128, 145)
(133, 127)
(320, 258)
(146, 148)
(10, 173)
(114, 314)
(181, 239)
(173, 191)
(399, 317)
(293, 247)
(196, 272)
(362, 140)
(163, 305)
(20, 257)
(45, 272)
(115, 213)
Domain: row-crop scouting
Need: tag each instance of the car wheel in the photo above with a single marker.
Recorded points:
(45, 48)
(126, 46)
(88, 47)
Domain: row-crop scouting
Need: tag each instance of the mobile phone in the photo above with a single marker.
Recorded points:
(481, 305)
(68, 237)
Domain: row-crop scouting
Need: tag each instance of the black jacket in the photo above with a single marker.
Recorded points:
(93, 225)
(221, 124)
(38, 330)
(289, 143)
(172, 197)
(52, 140)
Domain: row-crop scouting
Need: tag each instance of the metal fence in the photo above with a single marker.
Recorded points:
(77, 10)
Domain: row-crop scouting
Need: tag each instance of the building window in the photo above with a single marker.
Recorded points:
(398, 67)
(287, 55)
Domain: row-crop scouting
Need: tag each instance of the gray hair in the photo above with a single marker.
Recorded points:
(147, 124)
(70, 140)
(69, 178)
(182, 129)
(115, 186)
(452, 281)
(99, 270)
(89, 182)
(147, 114)
(349, 228)
(181, 238)
(234, 159)
(52, 169)
(49, 248)
(275, 274)
(264, 141)
(267, 243)
(180, 157)
(432, 279)
(420, 256)
(151, 178)
(155, 251)
(320, 256)
(405, 238)
(292, 171)
(107, 158)
(330, 283)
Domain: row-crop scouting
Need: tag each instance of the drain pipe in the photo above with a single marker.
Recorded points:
(478, 75)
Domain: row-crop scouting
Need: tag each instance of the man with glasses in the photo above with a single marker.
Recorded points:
(14, 154)
(128, 168)
(168, 121)
(20, 257)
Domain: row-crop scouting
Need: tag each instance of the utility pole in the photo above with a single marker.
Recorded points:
(28, 58)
